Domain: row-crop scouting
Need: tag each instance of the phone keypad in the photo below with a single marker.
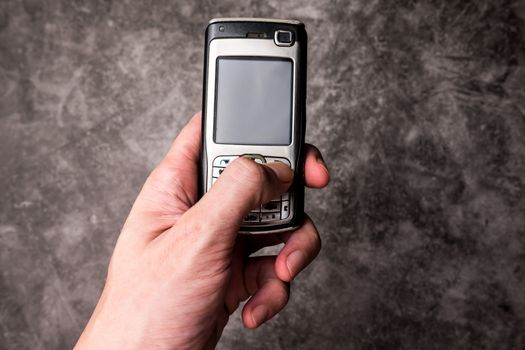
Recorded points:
(271, 206)
(276, 210)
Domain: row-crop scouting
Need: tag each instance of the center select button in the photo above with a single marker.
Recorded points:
(257, 158)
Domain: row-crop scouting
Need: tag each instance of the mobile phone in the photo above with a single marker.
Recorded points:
(254, 105)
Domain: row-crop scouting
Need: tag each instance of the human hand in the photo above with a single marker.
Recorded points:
(179, 268)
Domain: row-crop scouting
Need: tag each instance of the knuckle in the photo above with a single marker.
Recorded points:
(163, 172)
(317, 243)
(310, 243)
(311, 237)
(282, 296)
(313, 243)
(157, 174)
(166, 180)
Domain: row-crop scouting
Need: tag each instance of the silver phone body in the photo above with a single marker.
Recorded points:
(280, 214)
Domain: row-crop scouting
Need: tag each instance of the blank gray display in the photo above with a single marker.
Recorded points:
(253, 101)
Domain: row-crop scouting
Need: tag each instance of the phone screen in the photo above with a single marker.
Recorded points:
(253, 101)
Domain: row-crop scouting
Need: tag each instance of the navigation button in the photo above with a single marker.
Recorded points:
(255, 157)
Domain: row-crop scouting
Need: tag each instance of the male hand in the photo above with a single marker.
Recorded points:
(179, 269)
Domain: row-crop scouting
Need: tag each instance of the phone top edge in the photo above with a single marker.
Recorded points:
(253, 19)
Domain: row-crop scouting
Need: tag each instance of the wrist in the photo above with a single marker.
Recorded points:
(110, 328)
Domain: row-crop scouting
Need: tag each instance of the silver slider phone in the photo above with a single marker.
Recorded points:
(254, 105)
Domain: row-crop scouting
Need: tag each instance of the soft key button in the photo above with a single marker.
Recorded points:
(219, 164)
(223, 161)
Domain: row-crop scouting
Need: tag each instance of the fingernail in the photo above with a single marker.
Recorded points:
(259, 315)
(295, 261)
(283, 172)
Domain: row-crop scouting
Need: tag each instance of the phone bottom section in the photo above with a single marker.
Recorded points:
(267, 230)
(255, 228)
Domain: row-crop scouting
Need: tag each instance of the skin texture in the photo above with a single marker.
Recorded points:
(179, 269)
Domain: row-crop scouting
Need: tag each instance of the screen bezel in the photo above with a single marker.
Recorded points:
(254, 58)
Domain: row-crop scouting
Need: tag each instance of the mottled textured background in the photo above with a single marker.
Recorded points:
(418, 106)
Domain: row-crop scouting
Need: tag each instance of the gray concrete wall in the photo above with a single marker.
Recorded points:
(418, 106)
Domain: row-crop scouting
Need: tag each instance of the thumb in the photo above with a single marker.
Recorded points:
(242, 186)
